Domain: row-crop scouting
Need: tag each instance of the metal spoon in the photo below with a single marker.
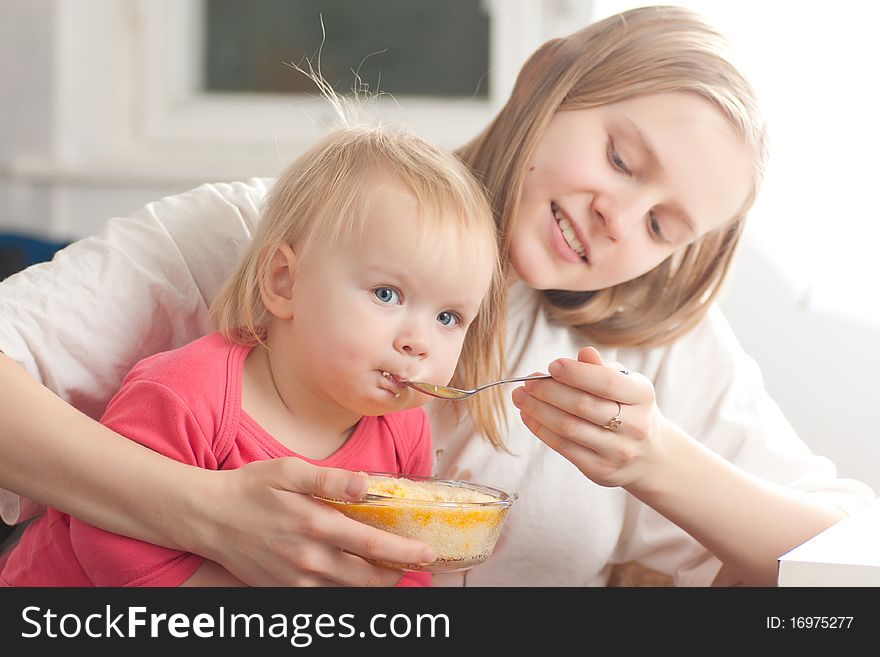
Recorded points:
(448, 392)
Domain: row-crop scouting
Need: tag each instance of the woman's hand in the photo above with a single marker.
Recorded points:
(262, 524)
(662, 466)
(572, 413)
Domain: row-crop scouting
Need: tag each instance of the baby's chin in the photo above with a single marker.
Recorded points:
(374, 407)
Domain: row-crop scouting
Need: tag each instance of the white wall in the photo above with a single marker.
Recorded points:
(819, 364)
(34, 198)
(26, 50)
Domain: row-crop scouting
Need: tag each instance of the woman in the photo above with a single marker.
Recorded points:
(620, 172)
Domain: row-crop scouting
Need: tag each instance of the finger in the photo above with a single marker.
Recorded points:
(372, 543)
(317, 564)
(354, 571)
(562, 423)
(358, 538)
(311, 581)
(590, 355)
(576, 402)
(583, 457)
(600, 381)
(339, 569)
(301, 477)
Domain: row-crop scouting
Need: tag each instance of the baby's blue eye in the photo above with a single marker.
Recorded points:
(447, 318)
(387, 295)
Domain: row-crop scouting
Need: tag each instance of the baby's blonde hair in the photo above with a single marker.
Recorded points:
(322, 199)
(639, 52)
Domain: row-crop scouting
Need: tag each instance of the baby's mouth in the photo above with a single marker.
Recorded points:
(396, 382)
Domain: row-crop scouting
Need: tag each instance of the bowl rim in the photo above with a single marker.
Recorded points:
(502, 497)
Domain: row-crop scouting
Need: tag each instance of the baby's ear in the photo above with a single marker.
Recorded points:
(276, 282)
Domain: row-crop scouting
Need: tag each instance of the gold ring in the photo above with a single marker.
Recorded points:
(614, 422)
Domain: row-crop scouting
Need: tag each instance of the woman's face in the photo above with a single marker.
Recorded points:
(612, 191)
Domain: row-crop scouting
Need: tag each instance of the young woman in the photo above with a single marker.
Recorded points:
(620, 173)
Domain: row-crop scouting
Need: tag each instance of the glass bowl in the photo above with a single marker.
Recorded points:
(459, 519)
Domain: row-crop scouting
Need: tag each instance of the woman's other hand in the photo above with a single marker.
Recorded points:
(573, 412)
(262, 524)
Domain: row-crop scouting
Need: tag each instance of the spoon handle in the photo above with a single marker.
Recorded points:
(516, 378)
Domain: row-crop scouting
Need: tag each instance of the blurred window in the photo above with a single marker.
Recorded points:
(193, 90)
(402, 47)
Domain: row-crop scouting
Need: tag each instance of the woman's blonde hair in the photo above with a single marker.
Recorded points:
(643, 51)
(322, 198)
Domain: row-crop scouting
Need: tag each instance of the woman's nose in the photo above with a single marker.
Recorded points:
(618, 217)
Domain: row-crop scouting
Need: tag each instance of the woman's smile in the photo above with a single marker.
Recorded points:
(574, 247)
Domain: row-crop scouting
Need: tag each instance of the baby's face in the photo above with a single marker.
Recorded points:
(386, 300)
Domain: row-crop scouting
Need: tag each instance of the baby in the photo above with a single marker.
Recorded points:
(375, 261)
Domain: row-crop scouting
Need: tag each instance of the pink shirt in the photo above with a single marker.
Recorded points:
(186, 404)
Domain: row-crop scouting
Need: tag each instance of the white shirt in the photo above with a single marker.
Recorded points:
(564, 530)
(143, 284)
